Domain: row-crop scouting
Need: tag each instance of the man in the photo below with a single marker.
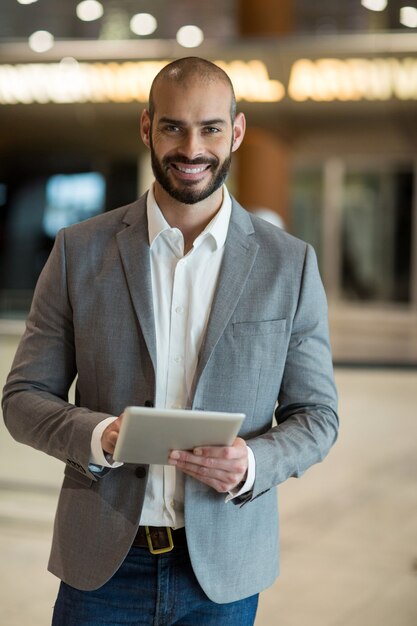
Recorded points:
(179, 299)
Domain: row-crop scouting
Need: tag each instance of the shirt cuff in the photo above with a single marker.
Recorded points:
(250, 478)
(97, 455)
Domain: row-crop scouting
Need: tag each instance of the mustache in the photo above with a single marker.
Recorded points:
(178, 158)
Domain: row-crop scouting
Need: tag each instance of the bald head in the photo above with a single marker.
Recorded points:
(188, 71)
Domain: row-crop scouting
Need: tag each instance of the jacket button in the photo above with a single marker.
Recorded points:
(148, 403)
(140, 472)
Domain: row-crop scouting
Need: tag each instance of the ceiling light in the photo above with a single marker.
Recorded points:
(408, 17)
(68, 62)
(374, 5)
(26, 1)
(41, 41)
(190, 36)
(143, 24)
(89, 10)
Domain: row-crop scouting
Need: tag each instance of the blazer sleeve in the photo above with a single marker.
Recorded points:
(35, 398)
(306, 414)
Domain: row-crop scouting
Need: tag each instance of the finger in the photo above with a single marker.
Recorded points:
(222, 457)
(110, 435)
(209, 470)
(108, 441)
(220, 480)
(236, 450)
(113, 436)
(230, 473)
(182, 459)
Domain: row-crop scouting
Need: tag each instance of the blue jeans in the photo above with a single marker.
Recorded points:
(150, 590)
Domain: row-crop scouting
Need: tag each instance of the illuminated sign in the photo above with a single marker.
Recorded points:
(251, 81)
(326, 80)
(117, 82)
(320, 80)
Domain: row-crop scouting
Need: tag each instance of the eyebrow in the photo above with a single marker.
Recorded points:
(212, 122)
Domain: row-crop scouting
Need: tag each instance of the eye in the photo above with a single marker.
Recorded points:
(171, 128)
(211, 130)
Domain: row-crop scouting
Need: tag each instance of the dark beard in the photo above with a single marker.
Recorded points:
(186, 194)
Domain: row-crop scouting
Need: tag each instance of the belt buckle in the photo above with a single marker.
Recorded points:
(153, 550)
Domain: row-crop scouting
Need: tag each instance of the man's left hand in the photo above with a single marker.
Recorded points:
(220, 467)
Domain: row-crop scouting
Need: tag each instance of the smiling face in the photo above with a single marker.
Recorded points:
(191, 137)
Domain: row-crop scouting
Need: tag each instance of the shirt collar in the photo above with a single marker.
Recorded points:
(216, 229)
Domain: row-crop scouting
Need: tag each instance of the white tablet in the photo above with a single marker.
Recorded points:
(148, 434)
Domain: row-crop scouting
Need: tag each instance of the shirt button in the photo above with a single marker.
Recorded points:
(178, 359)
(179, 310)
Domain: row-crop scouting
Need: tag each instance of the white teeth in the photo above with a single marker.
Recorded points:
(191, 170)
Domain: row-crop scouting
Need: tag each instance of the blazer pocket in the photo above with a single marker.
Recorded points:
(267, 327)
(79, 478)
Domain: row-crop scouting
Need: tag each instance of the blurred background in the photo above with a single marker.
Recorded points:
(329, 90)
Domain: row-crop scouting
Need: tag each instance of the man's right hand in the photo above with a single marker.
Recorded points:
(110, 435)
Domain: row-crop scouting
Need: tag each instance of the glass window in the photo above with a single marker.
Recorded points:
(38, 196)
(72, 198)
(307, 207)
(376, 235)
(35, 210)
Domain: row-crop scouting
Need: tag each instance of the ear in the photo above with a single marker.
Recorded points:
(145, 127)
(239, 127)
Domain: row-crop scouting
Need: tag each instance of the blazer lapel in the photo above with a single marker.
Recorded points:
(133, 244)
(239, 256)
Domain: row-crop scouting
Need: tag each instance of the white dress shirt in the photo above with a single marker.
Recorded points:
(183, 287)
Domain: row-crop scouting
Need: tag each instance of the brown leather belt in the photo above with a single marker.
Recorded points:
(159, 539)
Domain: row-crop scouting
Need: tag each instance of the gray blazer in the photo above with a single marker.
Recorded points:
(267, 340)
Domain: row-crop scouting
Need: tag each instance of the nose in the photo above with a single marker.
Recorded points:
(191, 145)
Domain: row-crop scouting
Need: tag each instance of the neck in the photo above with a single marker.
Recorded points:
(190, 219)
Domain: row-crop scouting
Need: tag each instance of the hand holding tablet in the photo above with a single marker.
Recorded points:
(148, 434)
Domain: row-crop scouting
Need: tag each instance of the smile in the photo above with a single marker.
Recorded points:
(191, 170)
